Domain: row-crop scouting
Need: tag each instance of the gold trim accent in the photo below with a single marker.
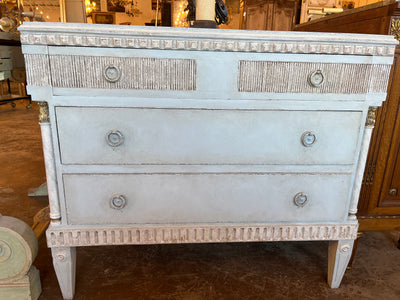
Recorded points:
(371, 117)
(395, 29)
(379, 217)
(43, 112)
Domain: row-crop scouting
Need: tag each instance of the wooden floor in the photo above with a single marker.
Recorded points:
(285, 270)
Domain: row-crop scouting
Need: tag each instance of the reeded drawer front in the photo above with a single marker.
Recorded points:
(308, 77)
(195, 136)
(196, 198)
(144, 73)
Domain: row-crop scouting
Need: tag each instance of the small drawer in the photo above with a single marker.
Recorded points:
(134, 73)
(202, 198)
(195, 136)
(311, 77)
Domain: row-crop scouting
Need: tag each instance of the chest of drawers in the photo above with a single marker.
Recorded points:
(166, 135)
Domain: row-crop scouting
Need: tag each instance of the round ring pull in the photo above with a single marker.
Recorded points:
(300, 199)
(308, 139)
(117, 202)
(316, 78)
(112, 73)
(114, 138)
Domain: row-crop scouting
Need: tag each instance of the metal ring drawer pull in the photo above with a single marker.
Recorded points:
(114, 138)
(300, 199)
(112, 73)
(316, 79)
(308, 139)
(117, 202)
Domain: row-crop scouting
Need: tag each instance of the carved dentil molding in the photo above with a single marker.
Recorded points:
(67, 237)
(224, 45)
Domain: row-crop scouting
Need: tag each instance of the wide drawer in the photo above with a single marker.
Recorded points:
(195, 136)
(196, 198)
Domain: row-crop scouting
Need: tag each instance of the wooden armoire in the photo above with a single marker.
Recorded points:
(379, 204)
(280, 15)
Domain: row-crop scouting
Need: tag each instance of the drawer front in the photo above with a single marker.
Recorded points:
(199, 74)
(136, 73)
(193, 136)
(191, 198)
(310, 77)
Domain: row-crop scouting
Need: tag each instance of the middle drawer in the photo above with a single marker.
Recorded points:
(199, 136)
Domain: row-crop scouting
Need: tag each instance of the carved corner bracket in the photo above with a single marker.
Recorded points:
(371, 117)
(395, 28)
(43, 112)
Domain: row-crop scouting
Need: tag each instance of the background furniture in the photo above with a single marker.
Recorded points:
(12, 68)
(379, 205)
(270, 14)
(317, 8)
(172, 135)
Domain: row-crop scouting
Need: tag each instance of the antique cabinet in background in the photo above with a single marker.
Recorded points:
(310, 7)
(270, 14)
(379, 204)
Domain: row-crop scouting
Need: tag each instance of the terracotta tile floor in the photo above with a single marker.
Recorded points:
(286, 270)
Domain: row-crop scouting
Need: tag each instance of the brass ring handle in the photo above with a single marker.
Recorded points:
(114, 138)
(112, 73)
(316, 79)
(300, 199)
(308, 139)
(117, 202)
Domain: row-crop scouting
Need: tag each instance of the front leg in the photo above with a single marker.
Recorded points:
(338, 258)
(64, 261)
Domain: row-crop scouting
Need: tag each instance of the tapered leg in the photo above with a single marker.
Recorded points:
(338, 259)
(355, 246)
(64, 261)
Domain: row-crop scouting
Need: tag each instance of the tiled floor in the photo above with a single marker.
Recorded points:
(285, 270)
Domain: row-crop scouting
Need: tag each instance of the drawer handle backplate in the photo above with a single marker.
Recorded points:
(112, 73)
(308, 139)
(316, 79)
(114, 138)
(118, 202)
(300, 199)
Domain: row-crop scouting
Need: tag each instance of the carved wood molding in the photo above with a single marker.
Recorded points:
(66, 237)
(233, 44)
(395, 28)
(267, 76)
(394, 217)
(371, 117)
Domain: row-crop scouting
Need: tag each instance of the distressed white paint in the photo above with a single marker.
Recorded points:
(360, 170)
(216, 158)
(94, 235)
(50, 165)
(338, 259)
(64, 261)
(216, 137)
(205, 198)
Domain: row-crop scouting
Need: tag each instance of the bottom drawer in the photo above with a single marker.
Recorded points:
(198, 198)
